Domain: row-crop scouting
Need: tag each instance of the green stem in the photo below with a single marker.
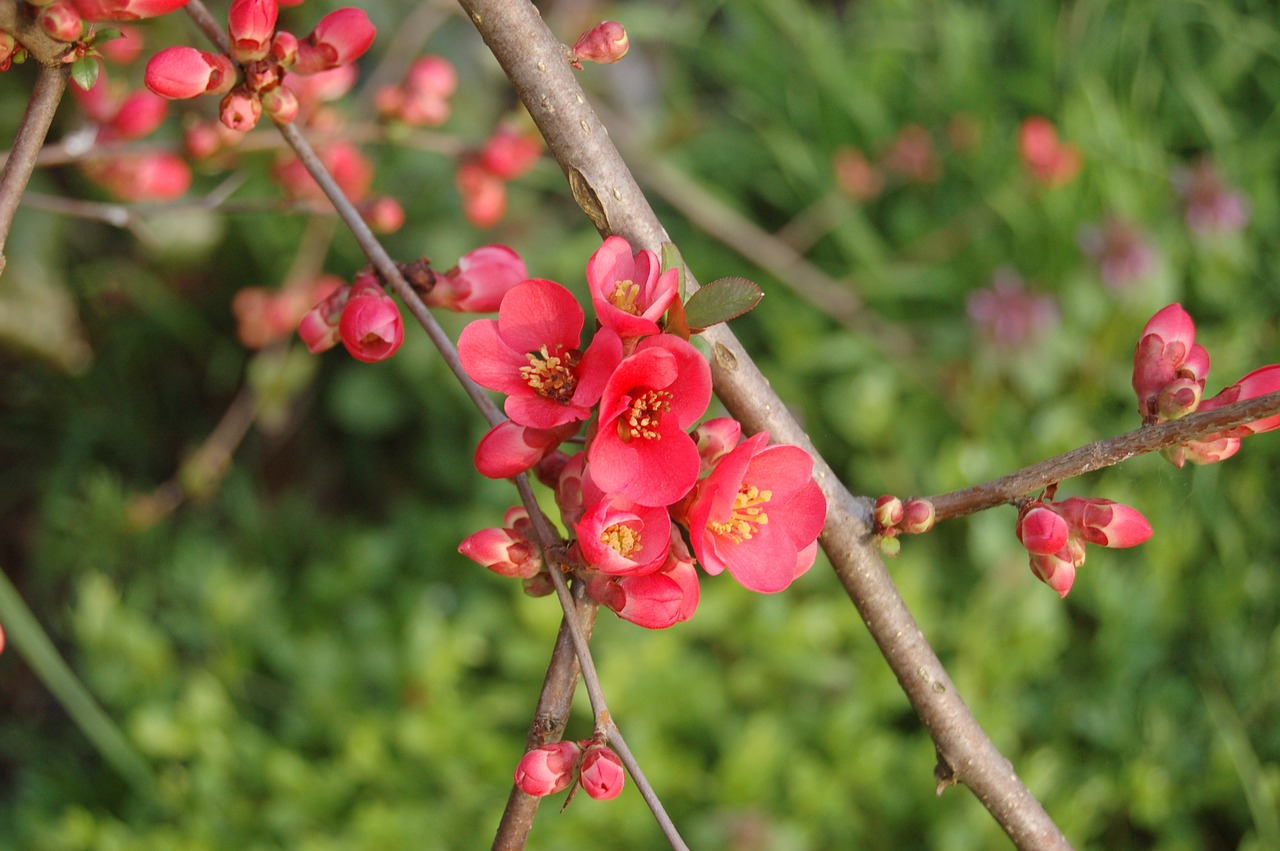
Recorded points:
(31, 642)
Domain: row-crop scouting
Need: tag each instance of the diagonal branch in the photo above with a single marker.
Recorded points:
(51, 82)
(603, 186)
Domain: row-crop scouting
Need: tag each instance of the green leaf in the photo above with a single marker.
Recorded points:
(721, 300)
(676, 323)
(103, 36)
(85, 72)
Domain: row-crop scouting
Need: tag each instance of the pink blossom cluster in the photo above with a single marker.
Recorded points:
(421, 99)
(652, 494)
(1055, 533)
(251, 79)
(364, 318)
(483, 175)
(1169, 372)
(590, 764)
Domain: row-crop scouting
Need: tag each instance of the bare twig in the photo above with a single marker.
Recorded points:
(1102, 453)
(607, 192)
(51, 82)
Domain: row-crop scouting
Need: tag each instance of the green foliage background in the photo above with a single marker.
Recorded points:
(306, 661)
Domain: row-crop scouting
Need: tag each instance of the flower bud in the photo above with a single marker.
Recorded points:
(184, 72)
(371, 327)
(1178, 398)
(503, 551)
(715, 439)
(61, 21)
(240, 110)
(540, 585)
(888, 511)
(1166, 343)
(139, 114)
(1042, 530)
(508, 154)
(126, 10)
(479, 281)
(510, 449)
(319, 327)
(484, 196)
(280, 104)
(251, 24)
(605, 43)
(1257, 383)
(917, 516)
(548, 769)
(1105, 522)
(602, 775)
(340, 38)
(1057, 570)
(284, 48)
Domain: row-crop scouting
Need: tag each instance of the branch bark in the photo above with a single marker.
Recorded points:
(537, 64)
(51, 82)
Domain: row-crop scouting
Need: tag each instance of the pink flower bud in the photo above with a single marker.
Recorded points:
(1166, 343)
(510, 449)
(1049, 161)
(479, 281)
(319, 326)
(1105, 522)
(251, 24)
(917, 516)
(139, 114)
(284, 48)
(383, 214)
(1042, 530)
(61, 21)
(1058, 570)
(371, 326)
(126, 10)
(548, 769)
(484, 197)
(184, 72)
(280, 104)
(1257, 383)
(340, 38)
(1202, 451)
(142, 177)
(9, 47)
(888, 511)
(508, 154)
(602, 775)
(503, 551)
(715, 439)
(605, 43)
(240, 110)
(1179, 398)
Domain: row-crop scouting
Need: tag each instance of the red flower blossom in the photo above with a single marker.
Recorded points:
(620, 538)
(641, 449)
(628, 293)
(479, 282)
(758, 515)
(371, 326)
(530, 352)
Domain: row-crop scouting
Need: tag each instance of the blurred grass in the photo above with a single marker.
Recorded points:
(307, 663)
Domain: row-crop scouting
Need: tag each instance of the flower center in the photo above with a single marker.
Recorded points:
(623, 539)
(747, 515)
(552, 376)
(624, 296)
(642, 418)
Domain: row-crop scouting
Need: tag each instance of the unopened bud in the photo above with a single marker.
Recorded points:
(604, 44)
(1042, 530)
(548, 769)
(240, 110)
(917, 516)
(602, 775)
(888, 511)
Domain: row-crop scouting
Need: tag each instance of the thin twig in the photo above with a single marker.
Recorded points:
(1102, 453)
(602, 185)
(51, 82)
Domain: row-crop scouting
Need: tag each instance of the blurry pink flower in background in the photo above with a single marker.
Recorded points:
(1123, 253)
(1008, 314)
(1210, 205)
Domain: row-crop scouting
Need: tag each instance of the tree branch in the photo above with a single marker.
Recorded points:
(602, 185)
(51, 82)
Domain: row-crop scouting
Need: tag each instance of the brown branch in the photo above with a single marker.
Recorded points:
(51, 82)
(1102, 453)
(607, 192)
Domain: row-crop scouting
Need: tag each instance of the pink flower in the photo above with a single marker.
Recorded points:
(1123, 253)
(340, 38)
(1211, 205)
(508, 154)
(184, 72)
(1010, 315)
(655, 600)
(530, 352)
(251, 24)
(484, 195)
(157, 176)
(605, 43)
(126, 10)
(548, 769)
(506, 551)
(422, 98)
(602, 775)
(758, 515)
(139, 113)
(620, 538)
(371, 327)
(1055, 533)
(1166, 351)
(1049, 161)
(627, 290)
(480, 280)
(641, 449)
(510, 449)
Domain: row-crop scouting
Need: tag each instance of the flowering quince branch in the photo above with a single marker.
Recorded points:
(603, 186)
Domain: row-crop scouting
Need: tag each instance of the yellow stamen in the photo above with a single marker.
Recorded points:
(747, 516)
(624, 296)
(623, 539)
(551, 376)
(642, 419)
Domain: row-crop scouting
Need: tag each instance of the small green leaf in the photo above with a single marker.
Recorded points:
(103, 36)
(85, 72)
(721, 300)
(676, 321)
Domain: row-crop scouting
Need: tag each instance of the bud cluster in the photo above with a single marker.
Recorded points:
(1055, 533)
(894, 517)
(589, 763)
(264, 56)
(1169, 372)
